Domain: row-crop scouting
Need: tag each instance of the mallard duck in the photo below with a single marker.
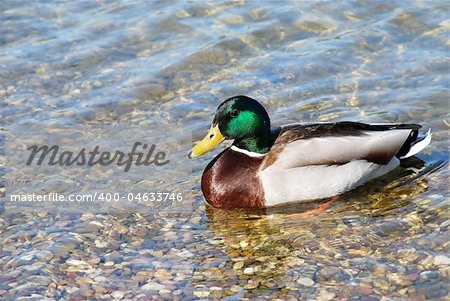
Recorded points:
(297, 162)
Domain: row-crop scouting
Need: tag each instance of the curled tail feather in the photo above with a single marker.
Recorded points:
(413, 145)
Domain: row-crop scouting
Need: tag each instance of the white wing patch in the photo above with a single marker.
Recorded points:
(329, 150)
(320, 181)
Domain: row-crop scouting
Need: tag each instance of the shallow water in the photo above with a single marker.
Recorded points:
(131, 62)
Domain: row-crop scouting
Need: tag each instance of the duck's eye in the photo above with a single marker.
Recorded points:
(234, 113)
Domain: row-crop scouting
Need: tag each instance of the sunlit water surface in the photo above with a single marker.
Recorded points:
(96, 62)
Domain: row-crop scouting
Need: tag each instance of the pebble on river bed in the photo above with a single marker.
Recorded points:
(153, 286)
(201, 294)
(441, 260)
(118, 294)
(305, 281)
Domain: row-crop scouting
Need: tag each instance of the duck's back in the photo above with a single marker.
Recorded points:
(321, 160)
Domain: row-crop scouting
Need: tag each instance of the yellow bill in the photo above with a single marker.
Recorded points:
(211, 139)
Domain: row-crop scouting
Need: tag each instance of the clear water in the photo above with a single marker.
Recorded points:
(104, 61)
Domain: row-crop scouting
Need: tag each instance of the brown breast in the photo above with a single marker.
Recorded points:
(231, 181)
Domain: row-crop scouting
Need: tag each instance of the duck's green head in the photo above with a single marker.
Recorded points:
(240, 118)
